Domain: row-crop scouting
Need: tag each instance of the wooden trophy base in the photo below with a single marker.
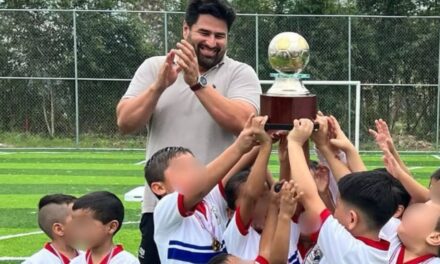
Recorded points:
(282, 110)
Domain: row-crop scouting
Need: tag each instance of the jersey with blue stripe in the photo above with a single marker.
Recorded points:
(186, 237)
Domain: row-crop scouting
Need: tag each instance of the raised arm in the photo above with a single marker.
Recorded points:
(255, 184)
(134, 113)
(218, 168)
(419, 193)
(322, 143)
(354, 161)
(281, 240)
(384, 141)
(301, 174)
(229, 113)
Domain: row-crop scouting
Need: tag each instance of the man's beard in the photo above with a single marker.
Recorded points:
(206, 62)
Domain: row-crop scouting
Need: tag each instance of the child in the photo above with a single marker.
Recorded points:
(417, 236)
(190, 217)
(275, 239)
(54, 218)
(363, 207)
(98, 217)
(250, 202)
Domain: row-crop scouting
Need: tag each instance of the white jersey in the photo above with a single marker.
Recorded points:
(48, 255)
(117, 256)
(339, 246)
(243, 241)
(189, 237)
(396, 253)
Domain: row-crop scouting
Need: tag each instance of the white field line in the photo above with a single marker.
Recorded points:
(12, 258)
(40, 232)
(141, 162)
(436, 156)
(415, 168)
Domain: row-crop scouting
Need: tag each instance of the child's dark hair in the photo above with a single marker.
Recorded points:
(158, 163)
(105, 206)
(233, 185)
(401, 194)
(57, 198)
(52, 209)
(436, 175)
(372, 193)
(220, 9)
(221, 258)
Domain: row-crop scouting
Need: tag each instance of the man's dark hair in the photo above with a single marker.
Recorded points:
(220, 9)
(233, 185)
(221, 258)
(57, 198)
(371, 192)
(159, 162)
(436, 175)
(104, 205)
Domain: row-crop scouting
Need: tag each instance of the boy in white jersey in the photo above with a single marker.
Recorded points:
(97, 217)
(275, 240)
(54, 218)
(248, 194)
(190, 217)
(363, 206)
(416, 238)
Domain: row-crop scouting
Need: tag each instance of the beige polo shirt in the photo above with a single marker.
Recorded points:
(180, 119)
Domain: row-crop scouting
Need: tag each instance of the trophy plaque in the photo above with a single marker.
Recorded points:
(288, 99)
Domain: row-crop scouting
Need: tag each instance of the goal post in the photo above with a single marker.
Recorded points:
(357, 84)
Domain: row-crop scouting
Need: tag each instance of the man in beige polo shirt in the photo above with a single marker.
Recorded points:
(195, 96)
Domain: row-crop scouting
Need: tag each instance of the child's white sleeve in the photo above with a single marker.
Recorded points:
(169, 213)
(334, 240)
(389, 230)
(238, 241)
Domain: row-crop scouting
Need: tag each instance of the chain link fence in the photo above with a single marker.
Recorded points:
(62, 72)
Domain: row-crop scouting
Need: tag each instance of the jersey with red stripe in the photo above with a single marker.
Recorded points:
(116, 256)
(243, 241)
(397, 249)
(339, 246)
(192, 236)
(49, 255)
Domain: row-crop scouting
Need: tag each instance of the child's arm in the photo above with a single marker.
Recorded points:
(255, 183)
(322, 142)
(418, 192)
(384, 140)
(283, 156)
(219, 167)
(354, 161)
(301, 174)
(267, 235)
(322, 181)
(246, 161)
(281, 239)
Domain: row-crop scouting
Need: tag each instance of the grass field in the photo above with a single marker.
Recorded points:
(25, 176)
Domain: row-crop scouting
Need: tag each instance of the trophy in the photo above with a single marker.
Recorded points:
(288, 99)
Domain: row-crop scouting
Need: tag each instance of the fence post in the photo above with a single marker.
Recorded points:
(256, 45)
(165, 31)
(349, 77)
(438, 98)
(75, 56)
